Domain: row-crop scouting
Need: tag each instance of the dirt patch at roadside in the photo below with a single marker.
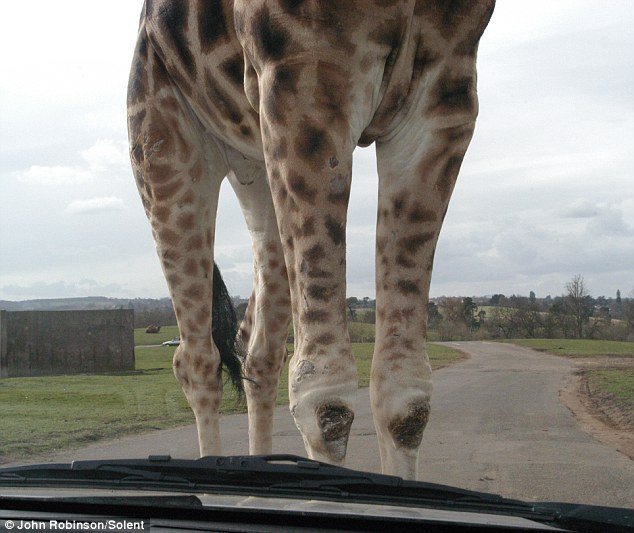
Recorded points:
(600, 413)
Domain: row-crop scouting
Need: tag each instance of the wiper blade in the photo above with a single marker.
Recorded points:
(293, 476)
(285, 475)
(270, 472)
(109, 472)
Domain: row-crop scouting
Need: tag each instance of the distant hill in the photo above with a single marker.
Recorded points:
(147, 311)
(94, 302)
(85, 303)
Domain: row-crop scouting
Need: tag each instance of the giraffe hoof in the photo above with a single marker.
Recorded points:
(407, 431)
(334, 421)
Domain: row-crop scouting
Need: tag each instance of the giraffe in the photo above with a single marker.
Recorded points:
(275, 95)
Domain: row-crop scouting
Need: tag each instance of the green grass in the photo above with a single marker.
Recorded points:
(56, 412)
(49, 413)
(619, 382)
(142, 338)
(361, 332)
(578, 347)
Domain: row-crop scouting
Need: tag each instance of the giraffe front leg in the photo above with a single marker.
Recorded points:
(417, 172)
(265, 326)
(309, 163)
(322, 372)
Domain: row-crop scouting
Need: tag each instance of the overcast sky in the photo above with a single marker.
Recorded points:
(545, 191)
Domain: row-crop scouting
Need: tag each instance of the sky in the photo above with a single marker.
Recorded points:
(546, 190)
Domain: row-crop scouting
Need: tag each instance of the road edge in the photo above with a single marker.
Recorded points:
(576, 398)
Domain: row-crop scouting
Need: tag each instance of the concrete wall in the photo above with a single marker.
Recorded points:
(43, 343)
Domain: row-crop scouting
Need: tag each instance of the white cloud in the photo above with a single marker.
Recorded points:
(105, 159)
(94, 205)
(610, 222)
(581, 208)
(54, 175)
(56, 289)
(106, 155)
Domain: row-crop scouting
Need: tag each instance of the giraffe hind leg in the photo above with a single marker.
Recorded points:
(178, 176)
(265, 326)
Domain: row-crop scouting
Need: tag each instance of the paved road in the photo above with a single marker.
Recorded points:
(497, 425)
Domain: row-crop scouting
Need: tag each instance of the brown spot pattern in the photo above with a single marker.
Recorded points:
(319, 292)
(418, 214)
(297, 185)
(336, 231)
(312, 144)
(315, 316)
(407, 287)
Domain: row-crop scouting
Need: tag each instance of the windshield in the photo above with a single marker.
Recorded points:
(515, 376)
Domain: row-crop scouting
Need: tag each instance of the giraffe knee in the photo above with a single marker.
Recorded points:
(407, 430)
(334, 421)
(179, 367)
(196, 365)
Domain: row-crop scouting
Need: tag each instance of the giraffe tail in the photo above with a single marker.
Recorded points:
(225, 333)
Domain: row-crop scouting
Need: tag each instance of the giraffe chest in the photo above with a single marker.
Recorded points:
(199, 47)
(395, 50)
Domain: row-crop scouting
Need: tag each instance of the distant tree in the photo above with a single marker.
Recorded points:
(578, 303)
(521, 318)
(350, 303)
(369, 317)
(618, 306)
(460, 311)
(495, 299)
(532, 297)
(433, 315)
(501, 323)
(469, 309)
(451, 308)
(452, 326)
(559, 318)
(628, 312)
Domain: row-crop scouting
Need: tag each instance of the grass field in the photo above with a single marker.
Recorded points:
(578, 347)
(56, 412)
(360, 332)
(618, 381)
(141, 338)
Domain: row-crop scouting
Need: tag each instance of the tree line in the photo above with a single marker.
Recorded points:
(574, 314)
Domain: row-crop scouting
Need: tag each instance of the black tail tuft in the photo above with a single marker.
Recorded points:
(225, 333)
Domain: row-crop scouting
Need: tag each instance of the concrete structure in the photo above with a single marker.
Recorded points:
(43, 343)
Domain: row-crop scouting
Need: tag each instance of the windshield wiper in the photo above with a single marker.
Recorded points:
(297, 477)
(273, 473)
